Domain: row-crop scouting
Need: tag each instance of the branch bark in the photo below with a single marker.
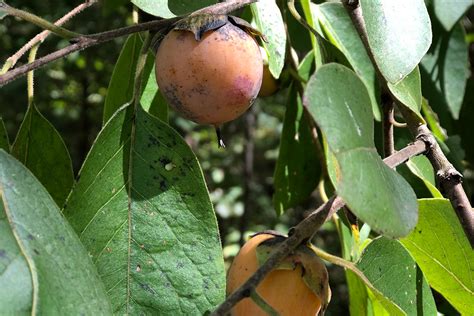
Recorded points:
(87, 41)
(305, 230)
(449, 179)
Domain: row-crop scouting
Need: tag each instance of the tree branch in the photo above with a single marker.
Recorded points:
(387, 126)
(87, 41)
(448, 178)
(11, 61)
(305, 230)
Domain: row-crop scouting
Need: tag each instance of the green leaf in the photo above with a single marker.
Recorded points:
(270, 22)
(444, 71)
(121, 84)
(391, 269)
(340, 31)
(443, 253)
(3, 12)
(39, 146)
(142, 210)
(399, 34)
(421, 167)
(297, 170)
(449, 12)
(339, 102)
(170, 9)
(408, 92)
(4, 142)
(45, 269)
(152, 100)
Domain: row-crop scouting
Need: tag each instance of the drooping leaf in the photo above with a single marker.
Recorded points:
(152, 100)
(421, 167)
(297, 171)
(399, 34)
(39, 146)
(401, 283)
(270, 22)
(143, 212)
(449, 12)
(45, 268)
(443, 253)
(408, 92)
(340, 31)
(4, 142)
(339, 102)
(120, 90)
(444, 71)
(169, 9)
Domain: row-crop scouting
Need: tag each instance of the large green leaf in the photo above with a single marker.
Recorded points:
(4, 142)
(444, 71)
(399, 34)
(171, 8)
(408, 92)
(340, 104)
(340, 31)
(270, 22)
(44, 268)
(391, 269)
(449, 12)
(121, 84)
(143, 212)
(41, 149)
(443, 253)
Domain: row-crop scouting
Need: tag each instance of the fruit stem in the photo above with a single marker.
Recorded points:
(220, 141)
(263, 304)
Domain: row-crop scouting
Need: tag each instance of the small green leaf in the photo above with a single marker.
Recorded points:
(270, 22)
(297, 170)
(445, 70)
(399, 34)
(4, 142)
(443, 253)
(339, 102)
(170, 9)
(393, 272)
(449, 12)
(142, 210)
(39, 146)
(3, 12)
(340, 31)
(152, 100)
(421, 167)
(408, 92)
(45, 270)
(120, 90)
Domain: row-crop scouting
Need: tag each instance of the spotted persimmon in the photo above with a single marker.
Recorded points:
(211, 76)
(285, 290)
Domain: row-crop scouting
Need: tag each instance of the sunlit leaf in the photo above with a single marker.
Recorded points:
(152, 100)
(443, 253)
(270, 22)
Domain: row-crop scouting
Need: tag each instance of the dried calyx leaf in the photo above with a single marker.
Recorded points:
(315, 274)
(200, 24)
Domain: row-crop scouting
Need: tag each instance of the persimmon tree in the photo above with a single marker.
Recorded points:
(378, 101)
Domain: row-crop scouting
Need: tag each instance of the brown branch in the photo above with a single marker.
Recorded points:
(11, 61)
(387, 127)
(448, 178)
(95, 39)
(304, 232)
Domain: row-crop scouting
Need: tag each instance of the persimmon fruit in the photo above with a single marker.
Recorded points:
(283, 289)
(209, 79)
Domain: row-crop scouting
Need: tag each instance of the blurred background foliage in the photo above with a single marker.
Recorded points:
(70, 93)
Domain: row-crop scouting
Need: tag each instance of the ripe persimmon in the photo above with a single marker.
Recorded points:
(283, 289)
(210, 75)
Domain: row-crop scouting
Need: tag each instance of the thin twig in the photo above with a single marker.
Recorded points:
(11, 61)
(387, 127)
(448, 178)
(87, 41)
(304, 232)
